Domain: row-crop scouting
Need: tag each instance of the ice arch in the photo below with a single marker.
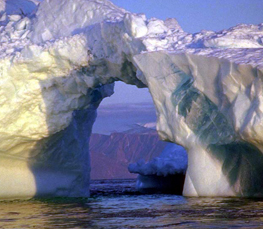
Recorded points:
(58, 63)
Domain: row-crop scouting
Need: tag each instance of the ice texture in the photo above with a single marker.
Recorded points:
(60, 58)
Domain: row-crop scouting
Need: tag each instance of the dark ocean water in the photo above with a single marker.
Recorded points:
(116, 204)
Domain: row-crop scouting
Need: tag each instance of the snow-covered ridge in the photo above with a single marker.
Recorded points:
(59, 61)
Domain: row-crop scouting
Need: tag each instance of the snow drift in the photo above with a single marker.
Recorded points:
(58, 62)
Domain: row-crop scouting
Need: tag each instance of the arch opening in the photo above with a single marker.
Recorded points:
(124, 136)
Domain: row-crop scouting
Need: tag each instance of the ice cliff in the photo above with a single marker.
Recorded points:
(59, 59)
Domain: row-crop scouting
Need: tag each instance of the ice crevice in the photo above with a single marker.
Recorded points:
(60, 58)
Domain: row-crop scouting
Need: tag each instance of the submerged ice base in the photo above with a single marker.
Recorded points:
(59, 60)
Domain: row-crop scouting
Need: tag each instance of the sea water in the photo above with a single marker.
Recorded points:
(116, 204)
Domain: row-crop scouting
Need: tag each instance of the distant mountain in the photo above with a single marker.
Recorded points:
(111, 154)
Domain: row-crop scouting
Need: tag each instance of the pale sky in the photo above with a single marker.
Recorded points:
(193, 16)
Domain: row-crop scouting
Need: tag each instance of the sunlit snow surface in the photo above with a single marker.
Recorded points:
(60, 61)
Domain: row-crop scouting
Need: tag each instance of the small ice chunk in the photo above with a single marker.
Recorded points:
(156, 26)
(14, 17)
(135, 25)
(22, 24)
(172, 23)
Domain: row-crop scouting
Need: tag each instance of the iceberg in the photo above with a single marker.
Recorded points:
(60, 58)
(165, 174)
(172, 160)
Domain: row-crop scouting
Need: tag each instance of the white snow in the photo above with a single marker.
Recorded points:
(59, 60)
(150, 125)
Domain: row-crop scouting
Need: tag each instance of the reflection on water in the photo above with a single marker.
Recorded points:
(115, 204)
